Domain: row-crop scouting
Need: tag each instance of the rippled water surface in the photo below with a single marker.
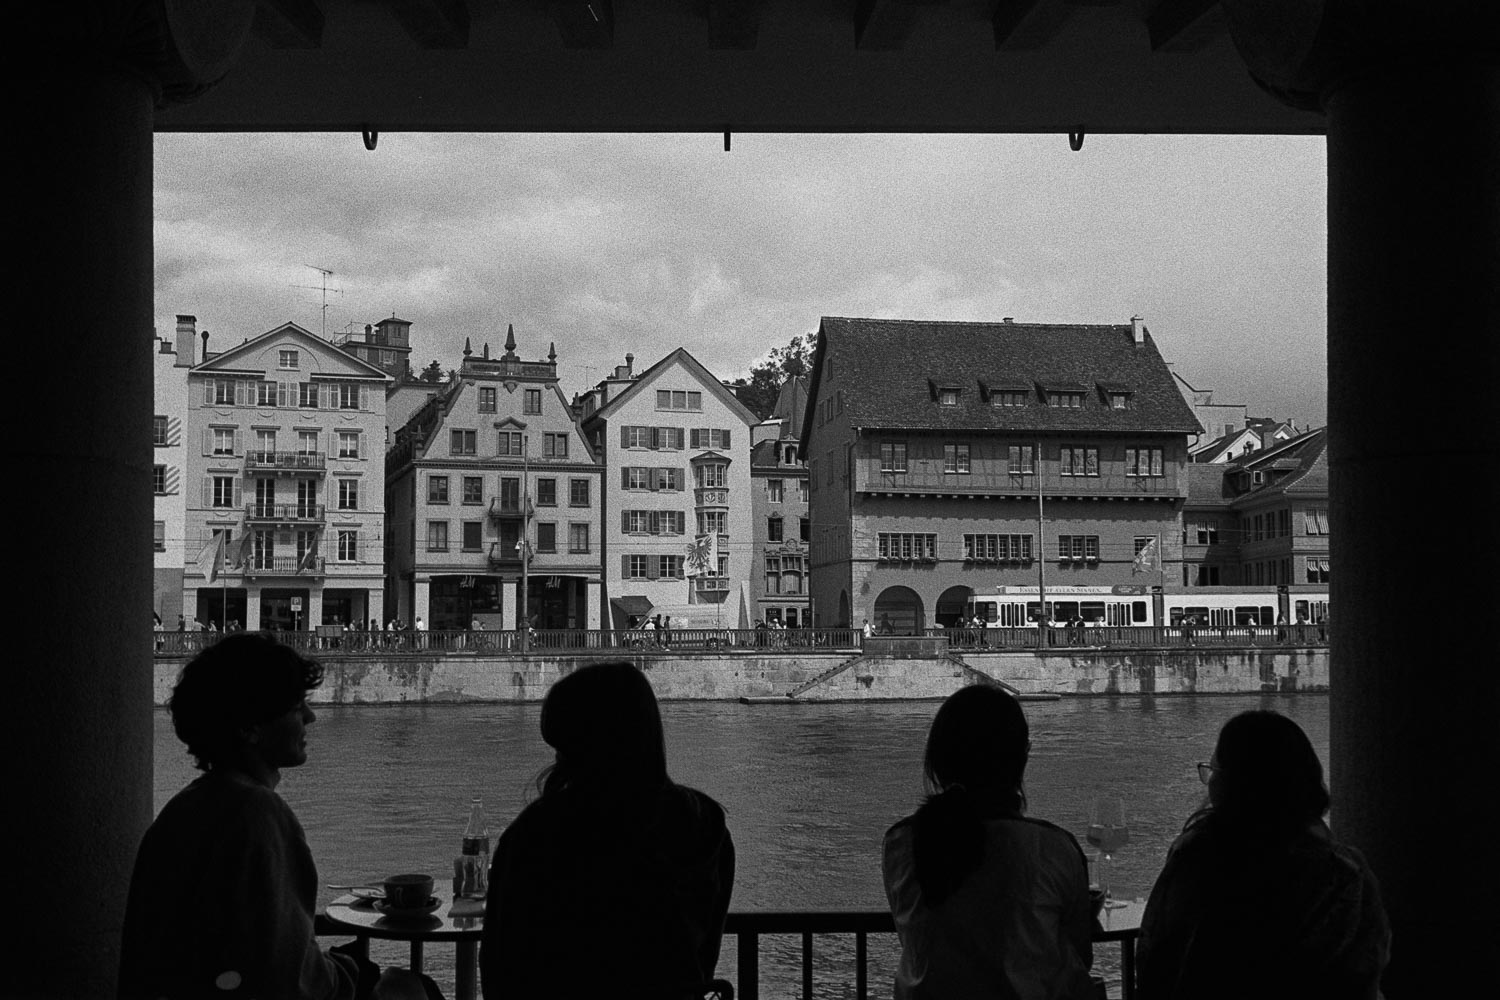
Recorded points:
(809, 790)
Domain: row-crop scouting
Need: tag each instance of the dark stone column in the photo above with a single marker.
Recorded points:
(1413, 324)
(1412, 99)
(81, 675)
(80, 713)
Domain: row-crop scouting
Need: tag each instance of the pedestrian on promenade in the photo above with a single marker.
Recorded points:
(867, 629)
(615, 881)
(221, 898)
(1256, 898)
(987, 902)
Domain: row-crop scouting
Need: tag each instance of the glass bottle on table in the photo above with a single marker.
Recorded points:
(1107, 832)
(474, 864)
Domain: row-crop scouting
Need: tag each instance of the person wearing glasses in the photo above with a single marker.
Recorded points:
(1256, 898)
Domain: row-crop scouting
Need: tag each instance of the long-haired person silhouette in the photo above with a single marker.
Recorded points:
(615, 881)
(988, 903)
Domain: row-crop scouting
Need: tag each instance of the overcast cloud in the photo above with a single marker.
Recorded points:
(607, 244)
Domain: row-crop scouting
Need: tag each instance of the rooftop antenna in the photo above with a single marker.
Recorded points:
(326, 273)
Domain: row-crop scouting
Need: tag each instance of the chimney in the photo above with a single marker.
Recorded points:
(187, 329)
(1138, 329)
(625, 370)
(204, 335)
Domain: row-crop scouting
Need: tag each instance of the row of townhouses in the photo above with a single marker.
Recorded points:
(303, 482)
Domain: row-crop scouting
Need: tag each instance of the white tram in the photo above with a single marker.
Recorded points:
(1139, 605)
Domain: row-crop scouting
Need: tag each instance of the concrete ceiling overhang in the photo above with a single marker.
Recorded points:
(1106, 66)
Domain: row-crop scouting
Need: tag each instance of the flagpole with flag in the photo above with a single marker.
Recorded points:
(210, 555)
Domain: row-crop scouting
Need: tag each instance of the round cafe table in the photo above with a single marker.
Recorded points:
(461, 922)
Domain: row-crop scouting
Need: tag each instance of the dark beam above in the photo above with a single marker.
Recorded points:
(434, 24)
(734, 24)
(882, 25)
(1184, 25)
(289, 24)
(1028, 25)
(585, 24)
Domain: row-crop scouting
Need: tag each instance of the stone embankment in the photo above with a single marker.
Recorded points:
(890, 674)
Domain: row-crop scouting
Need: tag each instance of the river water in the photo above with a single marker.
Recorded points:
(809, 790)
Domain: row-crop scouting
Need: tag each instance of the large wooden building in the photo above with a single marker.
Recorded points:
(946, 459)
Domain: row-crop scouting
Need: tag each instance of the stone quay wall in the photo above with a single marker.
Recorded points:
(850, 676)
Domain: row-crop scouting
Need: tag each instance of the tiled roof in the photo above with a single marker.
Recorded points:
(1208, 486)
(890, 371)
(764, 455)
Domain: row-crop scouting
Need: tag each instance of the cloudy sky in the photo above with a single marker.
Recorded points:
(607, 244)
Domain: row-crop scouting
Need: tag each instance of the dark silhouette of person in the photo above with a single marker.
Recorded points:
(221, 898)
(1256, 898)
(615, 880)
(988, 903)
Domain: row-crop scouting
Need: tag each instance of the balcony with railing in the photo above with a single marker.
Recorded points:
(284, 513)
(304, 567)
(927, 477)
(505, 507)
(303, 462)
(711, 584)
(504, 555)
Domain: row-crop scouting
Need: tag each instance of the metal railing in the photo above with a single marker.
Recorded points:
(747, 928)
(292, 513)
(306, 461)
(699, 640)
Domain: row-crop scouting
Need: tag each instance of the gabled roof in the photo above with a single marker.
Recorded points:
(887, 370)
(225, 361)
(694, 367)
(1221, 449)
(1306, 454)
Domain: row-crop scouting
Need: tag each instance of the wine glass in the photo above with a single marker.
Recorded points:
(1108, 832)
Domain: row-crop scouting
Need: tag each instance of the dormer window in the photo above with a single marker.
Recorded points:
(1119, 401)
(1065, 399)
(1008, 397)
(947, 397)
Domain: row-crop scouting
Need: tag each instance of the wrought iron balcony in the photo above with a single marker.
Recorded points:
(285, 566)
(284, 513)
(311, 462)
(505, 507)
(503, 555)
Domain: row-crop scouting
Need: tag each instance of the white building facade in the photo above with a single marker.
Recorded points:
(675, 445)
(284, 469)
(171, 360)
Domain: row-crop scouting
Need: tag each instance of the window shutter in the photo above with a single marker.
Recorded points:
(238, 497)
(625, 520)
(727, 445)
(208, 491)
(624, 436)
(624, 567)
(624, 477)
(239, 442)
(364, 397)
(239, 392)
(208, 392)
(281, 394)
(653, 568)
(653, 522)
(697, 438)
(208, 441)
(655, 437)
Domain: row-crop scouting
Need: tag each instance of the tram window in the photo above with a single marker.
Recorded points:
(1064, 611)
(1138, 612)
(1199, 615)
(1091, 611)
(984, 609)
(1244, 615)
